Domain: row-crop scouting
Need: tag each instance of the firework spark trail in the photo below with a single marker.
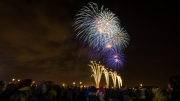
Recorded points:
(106, 74)
(97, 72)
(119, 81)
(113, 75)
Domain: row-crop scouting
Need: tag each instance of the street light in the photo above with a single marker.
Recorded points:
(63, 84)
(13, 79)
(80, 83)
(141, 85)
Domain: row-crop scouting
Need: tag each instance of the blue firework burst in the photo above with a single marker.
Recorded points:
(114, 58)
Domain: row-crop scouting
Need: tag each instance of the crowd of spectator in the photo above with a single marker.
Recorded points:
(26, 91)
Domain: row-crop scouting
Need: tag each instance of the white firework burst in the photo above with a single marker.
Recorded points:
(99, 27)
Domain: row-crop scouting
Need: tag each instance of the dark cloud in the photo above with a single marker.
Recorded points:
(33, 42)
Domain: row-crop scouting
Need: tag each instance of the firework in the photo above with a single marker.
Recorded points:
(106, 74)
(120, 40)
(100, 31)
(97, 52)
(119, 81)
(97, 70)
(113, 75)
(114, 58)
(111, 57)
(99, 28)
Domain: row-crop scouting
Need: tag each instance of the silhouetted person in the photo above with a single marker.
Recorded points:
(64, 97)
(161, 95)
(9, 90)
(92, 94)
(174, 87)
(23, 91)
(81, 97)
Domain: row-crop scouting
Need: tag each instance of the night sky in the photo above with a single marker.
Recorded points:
(36, 42)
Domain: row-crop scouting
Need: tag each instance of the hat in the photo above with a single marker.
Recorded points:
(101, 89)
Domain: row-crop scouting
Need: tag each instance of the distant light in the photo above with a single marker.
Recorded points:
(63, 84)
(13, 79)
(33, 82)
(74, 83)
(141, 85)
(19, 80)
(80, 83)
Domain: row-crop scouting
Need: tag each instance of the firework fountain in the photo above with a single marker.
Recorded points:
(106, 74)
(114, 76)
(119, 81)
(97, 70)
